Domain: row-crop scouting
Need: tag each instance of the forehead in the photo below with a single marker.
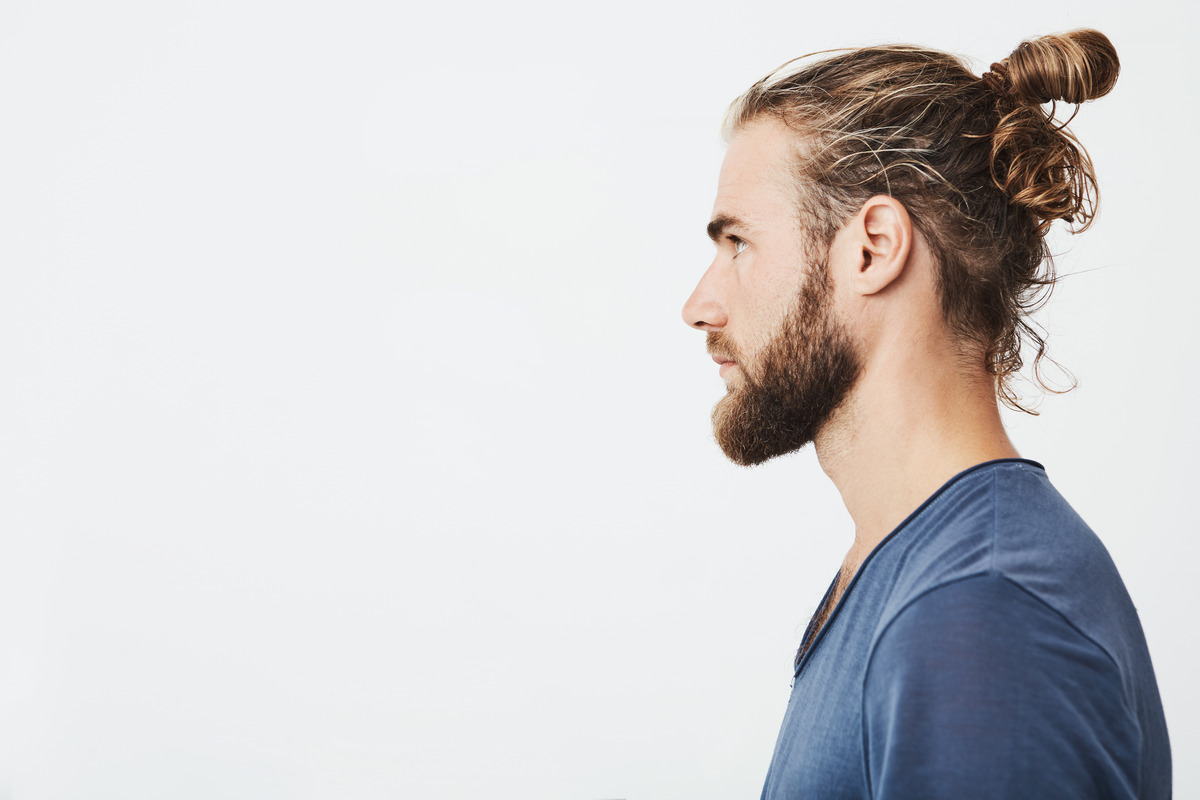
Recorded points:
(756, 181)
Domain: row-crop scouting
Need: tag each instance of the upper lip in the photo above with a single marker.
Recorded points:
(721, 359)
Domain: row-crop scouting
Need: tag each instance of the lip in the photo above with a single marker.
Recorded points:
(725, 364)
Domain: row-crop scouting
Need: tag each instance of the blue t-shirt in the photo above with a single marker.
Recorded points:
(986, 648)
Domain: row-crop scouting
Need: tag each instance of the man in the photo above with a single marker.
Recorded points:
(880, 226)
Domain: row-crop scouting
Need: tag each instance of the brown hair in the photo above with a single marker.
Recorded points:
(981, 167)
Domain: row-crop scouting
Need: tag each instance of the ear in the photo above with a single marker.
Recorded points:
(881, 234)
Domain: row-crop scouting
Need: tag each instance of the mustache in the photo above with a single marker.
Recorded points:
(722, 346)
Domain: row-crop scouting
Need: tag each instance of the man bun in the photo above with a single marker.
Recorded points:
(1036, 161)
(1073, 67)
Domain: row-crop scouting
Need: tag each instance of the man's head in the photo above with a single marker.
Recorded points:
(972, 168)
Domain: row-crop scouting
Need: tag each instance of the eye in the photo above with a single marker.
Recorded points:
(738, 245)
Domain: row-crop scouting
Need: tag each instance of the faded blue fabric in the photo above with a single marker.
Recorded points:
(986, 649)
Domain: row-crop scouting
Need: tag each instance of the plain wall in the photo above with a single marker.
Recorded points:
(353, 446)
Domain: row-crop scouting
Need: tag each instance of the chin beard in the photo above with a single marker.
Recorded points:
(799, 380)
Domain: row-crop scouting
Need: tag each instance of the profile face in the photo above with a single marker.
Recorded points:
(788, 362)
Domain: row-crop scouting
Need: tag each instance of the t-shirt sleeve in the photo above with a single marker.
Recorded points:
(978, 689)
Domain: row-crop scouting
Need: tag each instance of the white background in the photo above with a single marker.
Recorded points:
(352, 444)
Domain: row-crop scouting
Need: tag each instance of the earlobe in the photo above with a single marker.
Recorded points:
(884, 231)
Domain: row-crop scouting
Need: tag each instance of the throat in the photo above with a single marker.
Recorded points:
(824, 611)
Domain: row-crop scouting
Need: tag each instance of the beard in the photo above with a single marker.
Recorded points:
(798, 381)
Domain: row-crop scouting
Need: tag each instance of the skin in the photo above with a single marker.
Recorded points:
(922, 409)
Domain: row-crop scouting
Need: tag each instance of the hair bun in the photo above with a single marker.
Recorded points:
(1073, 67)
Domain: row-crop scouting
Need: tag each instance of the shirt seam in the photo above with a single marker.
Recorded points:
(995, 520)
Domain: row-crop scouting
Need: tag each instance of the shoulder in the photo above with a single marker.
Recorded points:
(989, 513)
(980, 680)
(1007, 518)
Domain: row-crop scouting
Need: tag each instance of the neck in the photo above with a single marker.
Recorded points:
(897, 440)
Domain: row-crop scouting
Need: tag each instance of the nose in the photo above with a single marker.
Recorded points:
(705, 309)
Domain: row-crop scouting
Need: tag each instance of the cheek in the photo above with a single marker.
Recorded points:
(770, 309)
(767, 286)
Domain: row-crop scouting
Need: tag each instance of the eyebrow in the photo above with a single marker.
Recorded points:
(721, 222)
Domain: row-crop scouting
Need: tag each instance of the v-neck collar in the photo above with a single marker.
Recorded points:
(866, 561)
